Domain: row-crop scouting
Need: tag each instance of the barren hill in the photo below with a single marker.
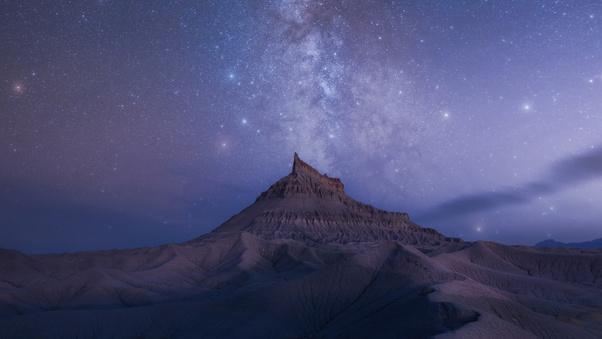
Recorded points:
(306, 260)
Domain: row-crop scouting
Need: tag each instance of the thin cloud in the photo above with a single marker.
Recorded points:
(578, 168)
(567, 172)
(474, 203)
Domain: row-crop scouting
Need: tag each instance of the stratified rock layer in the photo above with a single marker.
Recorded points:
(306, 205)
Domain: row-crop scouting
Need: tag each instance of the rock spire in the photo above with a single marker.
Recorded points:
(300, 167)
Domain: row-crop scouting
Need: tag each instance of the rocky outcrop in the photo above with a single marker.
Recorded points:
(299, 166)
(309, 206)
(305, 181)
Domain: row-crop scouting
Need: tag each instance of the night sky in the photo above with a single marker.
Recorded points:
(127, 124)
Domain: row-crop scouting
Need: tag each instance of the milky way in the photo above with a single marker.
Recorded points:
(128, 125)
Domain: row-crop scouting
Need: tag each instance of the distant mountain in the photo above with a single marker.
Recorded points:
(597, 243)
(306, 260)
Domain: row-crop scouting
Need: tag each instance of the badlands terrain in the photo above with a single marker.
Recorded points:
(306, 260)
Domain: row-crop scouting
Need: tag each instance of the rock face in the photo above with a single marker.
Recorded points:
(305, 260)
(300, 167)
(306, 205)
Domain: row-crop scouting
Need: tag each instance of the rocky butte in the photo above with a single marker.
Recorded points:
(306, 260)
(308, 206)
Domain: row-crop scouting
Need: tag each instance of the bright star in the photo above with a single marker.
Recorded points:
(18, 87)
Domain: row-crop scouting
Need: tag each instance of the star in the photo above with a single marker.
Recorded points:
(18, 88)
(351, 86)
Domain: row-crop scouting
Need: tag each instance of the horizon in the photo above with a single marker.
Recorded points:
(292, 170)
(128, 125)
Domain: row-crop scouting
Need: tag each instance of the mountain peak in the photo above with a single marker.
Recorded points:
(306, 205)
(300, 167)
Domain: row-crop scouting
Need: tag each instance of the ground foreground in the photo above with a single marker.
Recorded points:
(305, 260)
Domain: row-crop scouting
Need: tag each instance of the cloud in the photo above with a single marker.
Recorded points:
(564, 173)
(36, 220)
(474, 203)
(578, 168)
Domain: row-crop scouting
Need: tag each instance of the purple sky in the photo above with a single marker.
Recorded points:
(126, 125)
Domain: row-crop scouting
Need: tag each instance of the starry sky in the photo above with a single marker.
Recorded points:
(127, 124)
